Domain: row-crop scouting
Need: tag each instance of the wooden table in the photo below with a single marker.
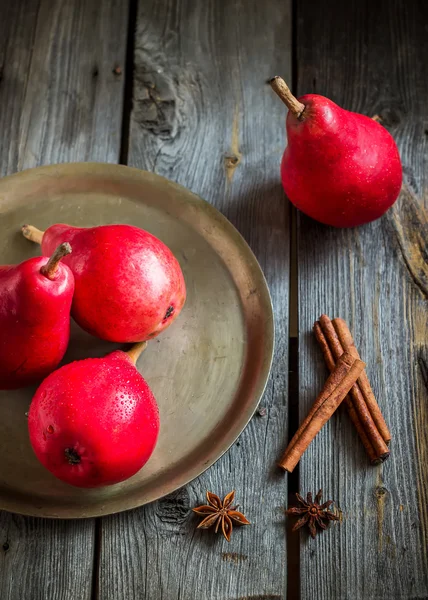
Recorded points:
(178, 87)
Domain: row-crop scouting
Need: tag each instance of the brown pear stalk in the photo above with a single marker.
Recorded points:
(51, 267)
(32, 233)
(283, 91)
(135, 351)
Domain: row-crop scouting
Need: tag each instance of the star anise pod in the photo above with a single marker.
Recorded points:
(220, 512)
(313, 513)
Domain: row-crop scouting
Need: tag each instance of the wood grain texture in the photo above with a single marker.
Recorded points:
(371, 58)
(60, 101)
(204, 116)
(45, 560)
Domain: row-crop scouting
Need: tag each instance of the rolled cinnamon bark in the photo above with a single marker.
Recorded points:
(329, 360)
(348, 344)
(337, 386)
(369, 426)
(343, 367)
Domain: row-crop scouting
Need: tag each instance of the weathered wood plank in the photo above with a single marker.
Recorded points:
(43, 560)
(370, 58)
(205, 117)
(60, 101)
(17, 25)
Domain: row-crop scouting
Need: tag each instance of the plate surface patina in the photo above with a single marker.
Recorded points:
(207, 371)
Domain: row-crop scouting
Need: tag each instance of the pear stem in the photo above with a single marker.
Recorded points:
(283, 91)
(136, 350)
(32, 233)
(50, 268)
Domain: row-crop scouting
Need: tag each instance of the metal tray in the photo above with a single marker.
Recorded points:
(207, 371)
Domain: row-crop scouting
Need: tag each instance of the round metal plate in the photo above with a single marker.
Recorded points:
(207, 371)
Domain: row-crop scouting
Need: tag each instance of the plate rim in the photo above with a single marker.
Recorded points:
(99, 509)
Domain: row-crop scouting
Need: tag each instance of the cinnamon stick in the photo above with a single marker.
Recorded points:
(347, 342)
(329, 360)
(337, 386)
(343, 367)
(381, 451)
(374, 459)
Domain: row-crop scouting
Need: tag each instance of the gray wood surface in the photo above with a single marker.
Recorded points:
(60, 101)
(204, 116)
(370, 58)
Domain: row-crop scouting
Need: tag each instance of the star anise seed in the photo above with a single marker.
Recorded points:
(218, 512)
(313, 513)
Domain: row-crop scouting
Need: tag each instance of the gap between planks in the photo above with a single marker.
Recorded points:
(128, 87)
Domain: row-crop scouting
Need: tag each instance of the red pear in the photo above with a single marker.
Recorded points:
(129, 285)
(35, 301)
(94, 422)
(340, 168)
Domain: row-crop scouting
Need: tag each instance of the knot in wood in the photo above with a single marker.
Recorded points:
(380, 492)
(411, 227)
(174, 508)
(156, 96)
(231, 160)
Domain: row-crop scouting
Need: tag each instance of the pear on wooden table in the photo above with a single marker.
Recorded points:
(340, 168)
